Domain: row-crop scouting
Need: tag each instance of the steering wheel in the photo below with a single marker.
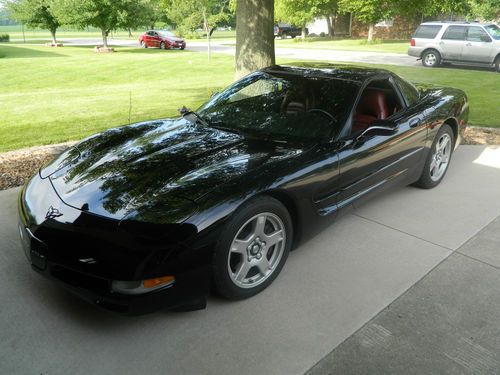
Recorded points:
(329, 115)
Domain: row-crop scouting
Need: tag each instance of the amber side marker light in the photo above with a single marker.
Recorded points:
(151, 283)
(142, 286)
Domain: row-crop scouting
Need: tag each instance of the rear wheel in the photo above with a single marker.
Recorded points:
(431, 58)
(438, 159)
(497, 64)
(253, 248)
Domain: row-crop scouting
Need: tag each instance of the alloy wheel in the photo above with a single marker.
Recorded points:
(256, 250)
(440, 157)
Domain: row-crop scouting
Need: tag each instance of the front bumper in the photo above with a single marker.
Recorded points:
(58, 248)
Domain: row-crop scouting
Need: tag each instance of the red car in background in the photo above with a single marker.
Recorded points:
(162, 39)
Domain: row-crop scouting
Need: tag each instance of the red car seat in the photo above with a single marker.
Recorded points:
(372, 106)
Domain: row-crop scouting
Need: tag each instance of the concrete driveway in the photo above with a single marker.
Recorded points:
(330, 287)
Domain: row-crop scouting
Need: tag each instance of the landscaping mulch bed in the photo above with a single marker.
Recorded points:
(16, 167)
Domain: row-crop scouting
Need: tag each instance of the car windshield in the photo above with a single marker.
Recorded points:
(283, 106)
(165, 33)
(494, 31)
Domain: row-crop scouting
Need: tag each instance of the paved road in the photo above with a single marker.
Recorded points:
(330, 287)
(291, 53)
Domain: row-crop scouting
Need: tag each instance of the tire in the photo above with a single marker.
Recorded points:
(143, 44)
(431, 58)
(497, 64)
(434, 173)
(162, 45)
(284, 36)
(244, 262)
(182, 48)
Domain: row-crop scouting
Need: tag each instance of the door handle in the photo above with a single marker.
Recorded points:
(441, 43)
(414, 122)
(468, 44)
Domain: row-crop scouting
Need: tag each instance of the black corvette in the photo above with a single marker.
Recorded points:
(157, 214)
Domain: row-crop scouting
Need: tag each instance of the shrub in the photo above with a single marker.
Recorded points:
(4, 38)
(322, 34)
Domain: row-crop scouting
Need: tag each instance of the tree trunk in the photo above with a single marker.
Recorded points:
(254, 35)
(129, 33)
(53, 34)
(370, 32)
(329, 25)
(333, 17)
(104, 33)
(304, 32)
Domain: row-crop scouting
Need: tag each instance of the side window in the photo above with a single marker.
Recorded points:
(427, 31)
(150, 33)
(476, 34)
(409, 91)
(454, 33)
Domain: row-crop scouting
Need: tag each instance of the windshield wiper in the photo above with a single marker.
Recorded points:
(198, 117)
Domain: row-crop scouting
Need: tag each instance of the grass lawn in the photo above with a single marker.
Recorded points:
(43, 36)
(50, 95)
(393, 46)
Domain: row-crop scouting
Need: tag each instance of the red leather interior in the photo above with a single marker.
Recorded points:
(372, 106)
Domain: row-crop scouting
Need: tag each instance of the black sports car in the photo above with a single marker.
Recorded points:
(156, 214)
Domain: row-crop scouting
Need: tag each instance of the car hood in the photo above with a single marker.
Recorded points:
(164, 165)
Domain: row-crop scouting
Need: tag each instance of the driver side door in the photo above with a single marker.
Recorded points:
(375, 162)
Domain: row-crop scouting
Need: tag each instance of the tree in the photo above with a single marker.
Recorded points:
(296, 12)
(106, 15)
(140, 13)
(254, 35)
(188, 15)
(301, 12)
(368, 11)
(487, 10)
(34, 13)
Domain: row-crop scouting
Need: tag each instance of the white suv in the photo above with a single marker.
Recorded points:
(458, 43)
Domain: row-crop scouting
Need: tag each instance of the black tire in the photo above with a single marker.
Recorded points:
(431, 58)
(182, 48)
(162, 45)
(224, 279)
(426, 180)
(143, 44)
(284, 36)
(497, 64)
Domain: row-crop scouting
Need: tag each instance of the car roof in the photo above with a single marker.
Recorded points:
(459, 23)
(319, 69)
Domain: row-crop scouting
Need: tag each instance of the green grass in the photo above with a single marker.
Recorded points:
(50, 95)
(32, 35)
(393, 46)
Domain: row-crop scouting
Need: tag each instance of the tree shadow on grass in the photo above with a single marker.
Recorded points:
(18, 52)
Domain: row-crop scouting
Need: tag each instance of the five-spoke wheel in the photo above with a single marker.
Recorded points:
(438, 159)
(253, 248)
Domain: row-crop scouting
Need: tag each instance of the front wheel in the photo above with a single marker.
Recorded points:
(497, 64)
(438, 159)
(162, 45)
(143, 44)
(431, 58)
(252, 249)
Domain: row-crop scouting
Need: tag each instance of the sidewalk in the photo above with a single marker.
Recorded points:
(448, 323)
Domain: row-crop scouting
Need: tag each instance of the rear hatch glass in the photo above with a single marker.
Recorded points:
(427, 31)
